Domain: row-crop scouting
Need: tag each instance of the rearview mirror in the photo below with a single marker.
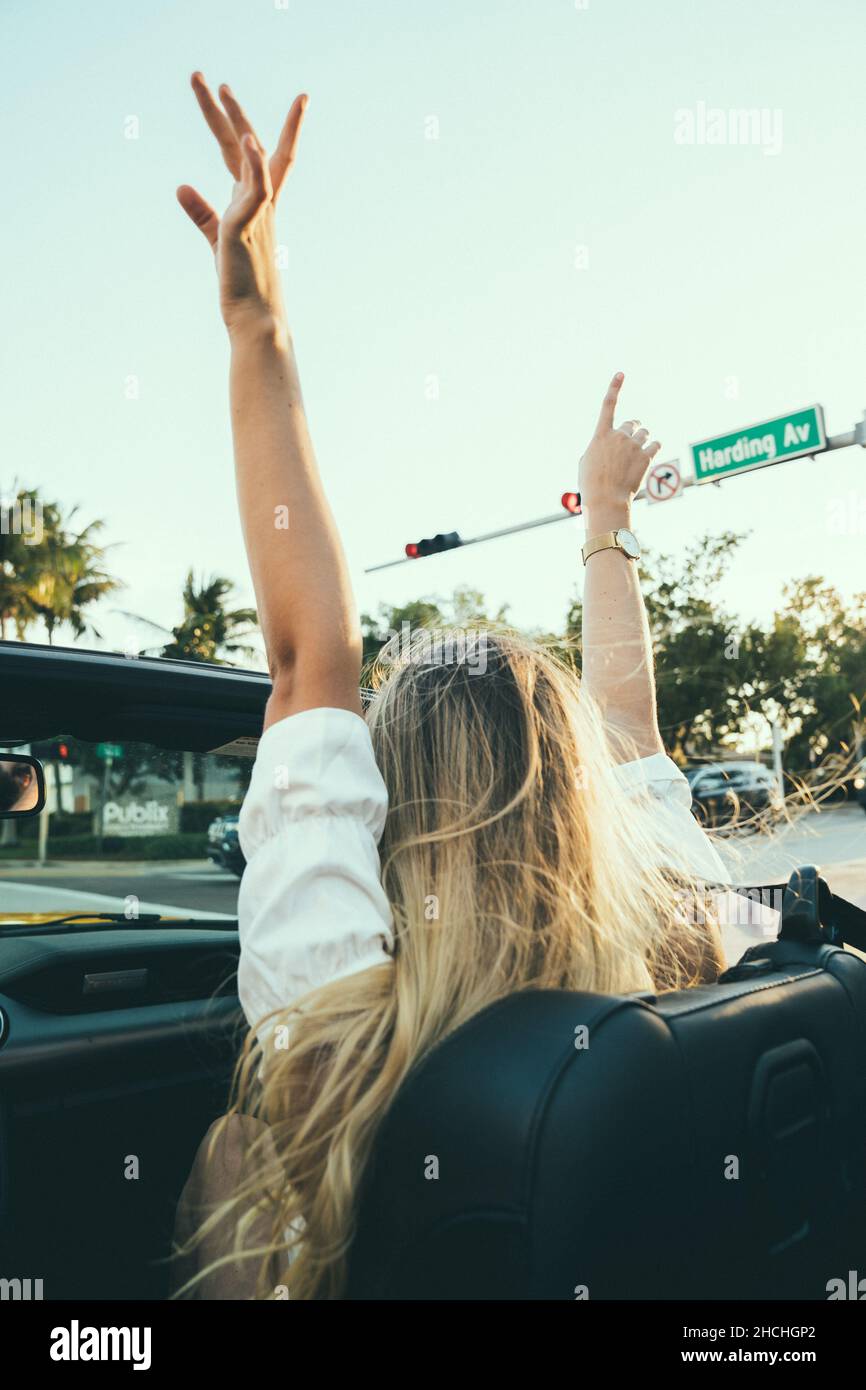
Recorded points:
(22, 785)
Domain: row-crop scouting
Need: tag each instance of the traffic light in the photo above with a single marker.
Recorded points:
(571, 502)
(417, 550)
(58, 750)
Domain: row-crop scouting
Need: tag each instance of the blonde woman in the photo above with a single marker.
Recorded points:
(490, 826)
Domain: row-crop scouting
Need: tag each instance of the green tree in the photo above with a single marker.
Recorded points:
(209, 631)
(718, 679)
(49, 569)
(466, 607)
(72, 577)
(25, 520)
(696, 645)
(824, 661)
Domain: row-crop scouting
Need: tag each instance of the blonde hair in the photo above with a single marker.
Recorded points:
(511, 861)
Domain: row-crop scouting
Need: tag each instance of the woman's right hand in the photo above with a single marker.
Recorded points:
(244, 241)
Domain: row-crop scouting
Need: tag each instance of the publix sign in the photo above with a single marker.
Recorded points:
(129, 815)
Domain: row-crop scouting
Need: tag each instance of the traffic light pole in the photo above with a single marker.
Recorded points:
(103, 798)
(857, 435)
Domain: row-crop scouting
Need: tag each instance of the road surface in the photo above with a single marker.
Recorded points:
(834, 838)
(195, 886)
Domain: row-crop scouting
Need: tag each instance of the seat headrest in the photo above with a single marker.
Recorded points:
(568, 1145)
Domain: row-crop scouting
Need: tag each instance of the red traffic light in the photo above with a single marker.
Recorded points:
(419, 550)
(63, 751)
(571, 502)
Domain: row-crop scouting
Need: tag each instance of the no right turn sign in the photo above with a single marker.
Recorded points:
(664, 482)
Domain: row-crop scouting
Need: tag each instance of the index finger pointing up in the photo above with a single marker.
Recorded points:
(608, 405)
(284, 155)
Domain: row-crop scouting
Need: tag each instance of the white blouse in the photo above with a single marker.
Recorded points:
(312, 908)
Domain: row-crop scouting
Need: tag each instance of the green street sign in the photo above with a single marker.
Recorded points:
(757, 446)
(111, 751)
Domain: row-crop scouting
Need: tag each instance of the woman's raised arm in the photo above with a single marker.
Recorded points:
(305, 603)
(617, 649)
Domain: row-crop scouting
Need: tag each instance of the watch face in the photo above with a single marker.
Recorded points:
(628, 541)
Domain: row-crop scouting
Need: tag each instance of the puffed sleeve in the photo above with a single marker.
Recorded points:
(660, 785)
(311, 907)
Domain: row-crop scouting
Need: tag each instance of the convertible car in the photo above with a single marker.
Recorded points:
(703, 1144)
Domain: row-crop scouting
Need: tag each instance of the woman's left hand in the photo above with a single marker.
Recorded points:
(243, 241)
(615, 461)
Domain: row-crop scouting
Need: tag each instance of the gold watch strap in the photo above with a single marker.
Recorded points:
(606, 541)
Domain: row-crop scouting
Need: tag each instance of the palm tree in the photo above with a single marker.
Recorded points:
(208, 630)
(16, 611)
(25, 520)
(72, 577)
(53, 572)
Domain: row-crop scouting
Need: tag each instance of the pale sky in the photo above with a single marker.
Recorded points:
(554, 232)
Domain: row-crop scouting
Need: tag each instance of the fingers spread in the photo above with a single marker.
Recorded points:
(230, 125)
(284, 155)
(257, 169)
(256, 186)
(241, 125)
(608, 405)
(201, 212)
(219, 124)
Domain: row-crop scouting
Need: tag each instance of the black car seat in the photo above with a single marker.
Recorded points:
(703, 1144)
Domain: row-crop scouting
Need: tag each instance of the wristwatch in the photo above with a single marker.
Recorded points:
(623, 540)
